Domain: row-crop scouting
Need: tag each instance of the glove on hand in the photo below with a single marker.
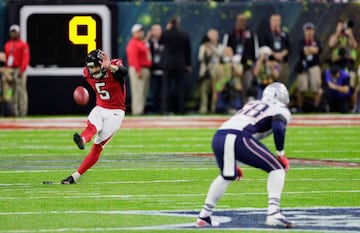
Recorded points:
(284, 161)
(239, 173)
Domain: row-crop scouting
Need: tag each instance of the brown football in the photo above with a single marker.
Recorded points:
(81, 96)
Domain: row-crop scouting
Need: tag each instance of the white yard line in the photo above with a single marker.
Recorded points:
(101, 169)
(171, 122)
(157, 212)
(184, 181)
(152, 196)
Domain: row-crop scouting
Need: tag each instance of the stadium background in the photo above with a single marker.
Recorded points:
(197, 18)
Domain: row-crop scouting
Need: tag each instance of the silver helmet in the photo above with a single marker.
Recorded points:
(276, 91)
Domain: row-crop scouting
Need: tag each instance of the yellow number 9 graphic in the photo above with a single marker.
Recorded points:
(90, 38)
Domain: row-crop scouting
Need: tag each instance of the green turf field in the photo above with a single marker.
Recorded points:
(142, 172)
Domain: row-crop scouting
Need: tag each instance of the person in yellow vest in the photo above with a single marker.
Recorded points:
(6, 88)
(227, 86)
(266, 69)
(344, 53)
(210, 54)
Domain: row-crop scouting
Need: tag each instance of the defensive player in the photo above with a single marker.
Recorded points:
(107, 78)
(238, 140)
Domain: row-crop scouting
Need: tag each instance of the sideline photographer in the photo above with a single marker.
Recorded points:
(338, 89)
(344, 53)
(6, 88)
(343, 43)
(227, 88)
(266, 69)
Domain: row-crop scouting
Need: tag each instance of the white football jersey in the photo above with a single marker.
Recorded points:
(256, 117)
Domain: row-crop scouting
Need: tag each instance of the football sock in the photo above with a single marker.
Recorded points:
(275, 186)
(89, 132)
(90, 159)
(216, 191)
(76, 175)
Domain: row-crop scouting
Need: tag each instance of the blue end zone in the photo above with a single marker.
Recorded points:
(315, 219)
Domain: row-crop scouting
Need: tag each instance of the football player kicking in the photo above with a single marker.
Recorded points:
(238, 140)
(107, 78)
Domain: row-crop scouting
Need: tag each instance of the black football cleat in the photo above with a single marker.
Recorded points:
(206, 222)
(69, 180)
(79, 141)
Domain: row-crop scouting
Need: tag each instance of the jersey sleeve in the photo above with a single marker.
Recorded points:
(279, 130)
(278, 125)
(121, 72)
(117, 62)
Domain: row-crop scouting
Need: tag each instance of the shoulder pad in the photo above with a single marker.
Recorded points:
(85, 72)
(284, 111)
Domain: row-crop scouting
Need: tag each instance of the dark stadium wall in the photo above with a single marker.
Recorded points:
(53, 95)
(3, 20)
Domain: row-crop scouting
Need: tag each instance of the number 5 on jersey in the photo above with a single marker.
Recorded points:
(104, 94)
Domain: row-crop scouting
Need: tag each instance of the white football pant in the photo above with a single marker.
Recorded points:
(107, 123)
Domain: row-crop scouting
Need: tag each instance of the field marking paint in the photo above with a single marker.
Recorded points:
(301, 161)
(110, 182)
(151, 196)
(170, 122)
(329, 219)
(246, 179)
(185, 181)
(101, 169)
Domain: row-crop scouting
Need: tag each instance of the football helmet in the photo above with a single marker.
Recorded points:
(94, 59)
(276, 91)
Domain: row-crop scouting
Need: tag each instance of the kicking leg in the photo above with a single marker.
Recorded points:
(88, 162)
(94, 125)
(85, 136)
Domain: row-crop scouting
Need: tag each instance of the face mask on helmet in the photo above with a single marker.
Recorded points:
(94, 60)
(97, 74)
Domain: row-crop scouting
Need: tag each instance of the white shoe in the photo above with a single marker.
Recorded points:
(277, 219)
(206, 222)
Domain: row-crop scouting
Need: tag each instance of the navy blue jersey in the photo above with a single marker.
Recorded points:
(342, 80)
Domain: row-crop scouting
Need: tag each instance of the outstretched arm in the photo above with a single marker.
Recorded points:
(118, 70)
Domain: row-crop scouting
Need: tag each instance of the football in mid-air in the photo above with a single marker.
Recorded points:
(81, 96)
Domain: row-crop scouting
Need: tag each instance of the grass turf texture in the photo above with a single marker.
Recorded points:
(149, 170)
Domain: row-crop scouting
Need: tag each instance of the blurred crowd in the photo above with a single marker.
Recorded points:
(237, 69)
(229, 72)
(14, 61)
